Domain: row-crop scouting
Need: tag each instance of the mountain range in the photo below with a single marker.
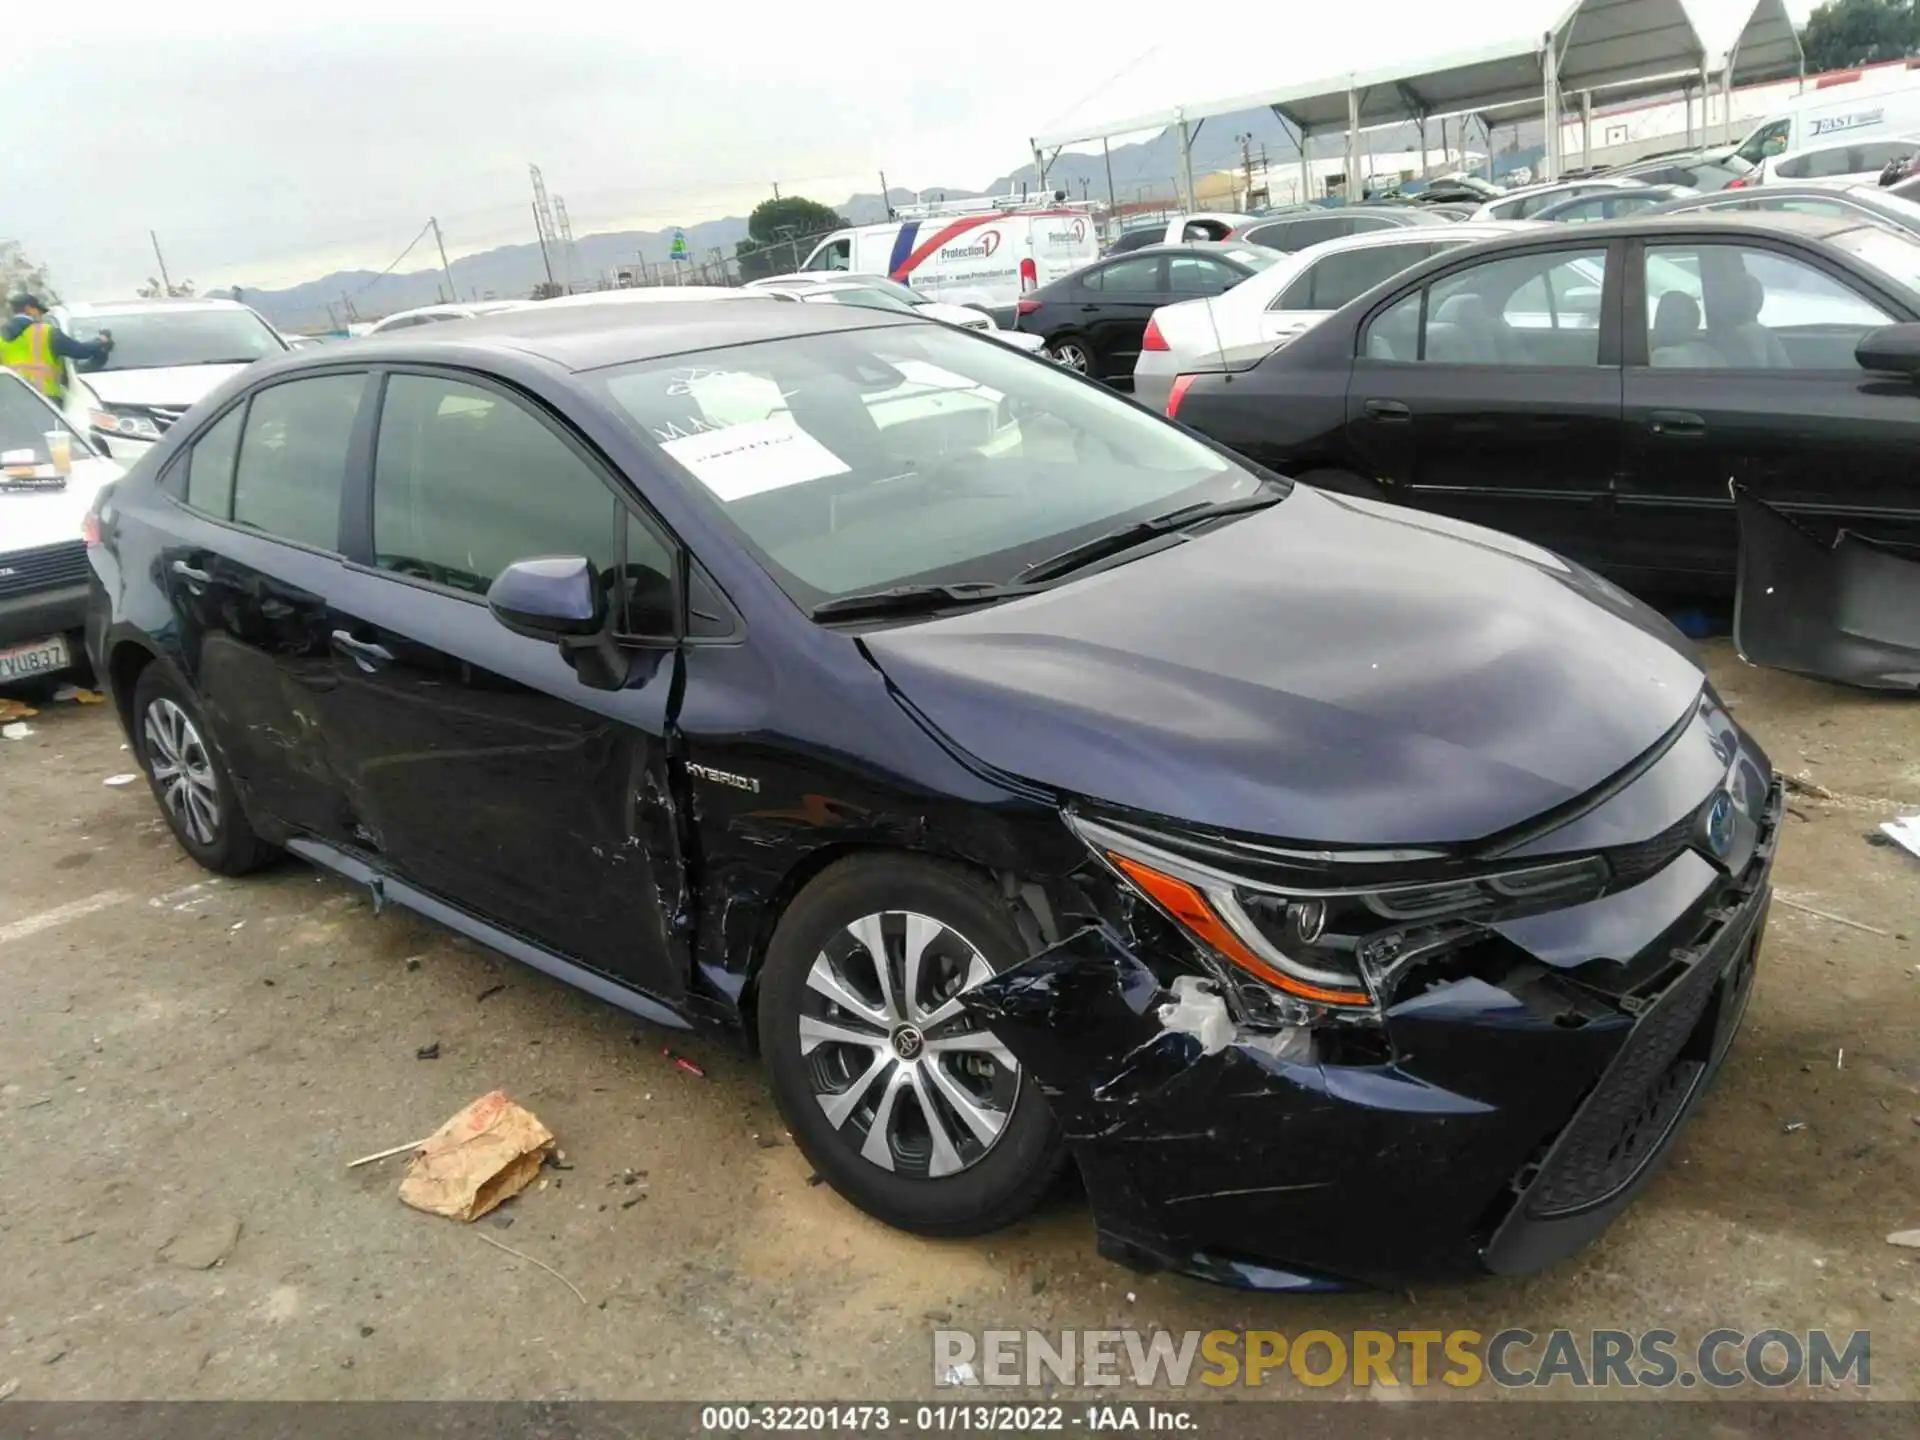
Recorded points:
(1140, 170)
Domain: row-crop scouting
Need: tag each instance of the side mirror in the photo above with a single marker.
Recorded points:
(552, 598)
(1894, 348)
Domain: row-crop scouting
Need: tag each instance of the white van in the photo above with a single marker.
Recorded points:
(1822, 117)
(989, 259)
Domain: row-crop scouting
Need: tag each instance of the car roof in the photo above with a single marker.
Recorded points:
(1186, 247)
(588, 337)
(156, 306)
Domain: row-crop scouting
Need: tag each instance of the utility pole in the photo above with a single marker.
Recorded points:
(776, 189)
(1246, 162)
(569, 257)
(1113, 205)
(453, 291)
(886, 197)
(166, 284)
(545, 259)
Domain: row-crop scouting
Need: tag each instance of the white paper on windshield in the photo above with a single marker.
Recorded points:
(760, 455)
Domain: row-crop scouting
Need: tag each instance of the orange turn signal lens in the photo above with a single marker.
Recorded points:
(1188, 906)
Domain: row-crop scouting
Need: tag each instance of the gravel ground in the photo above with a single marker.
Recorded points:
(186, 1064)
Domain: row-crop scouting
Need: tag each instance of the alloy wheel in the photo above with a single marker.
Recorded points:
(900, 1070)
(183, 770)
(1073, 355)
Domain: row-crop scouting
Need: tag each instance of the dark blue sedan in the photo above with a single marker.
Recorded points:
(1350, 893)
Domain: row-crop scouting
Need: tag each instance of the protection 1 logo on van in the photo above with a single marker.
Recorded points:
(1062, 235)
(907, 256)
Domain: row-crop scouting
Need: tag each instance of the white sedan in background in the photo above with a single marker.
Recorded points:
(1288, 298)
(432, 314)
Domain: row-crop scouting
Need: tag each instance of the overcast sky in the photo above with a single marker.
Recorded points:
(270, 142)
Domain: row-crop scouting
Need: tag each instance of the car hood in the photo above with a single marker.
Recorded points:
(173, 386)
(1331, 670)
(32, 518)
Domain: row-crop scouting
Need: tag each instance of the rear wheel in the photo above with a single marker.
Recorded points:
(911, 1108)
(189, 779)
(1073, 352)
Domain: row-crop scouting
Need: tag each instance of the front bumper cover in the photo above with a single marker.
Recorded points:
(1519, 1112)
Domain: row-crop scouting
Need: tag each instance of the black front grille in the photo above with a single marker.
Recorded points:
(1630, 1113)
(45, 567)
(1634, 863)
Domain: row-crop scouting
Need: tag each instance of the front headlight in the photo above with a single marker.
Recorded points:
(1325, 943)
(134, 427)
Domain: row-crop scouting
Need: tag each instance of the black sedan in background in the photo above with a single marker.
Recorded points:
(1350, 895)
(1093, 319)
(1594, 388)
(1701, 170)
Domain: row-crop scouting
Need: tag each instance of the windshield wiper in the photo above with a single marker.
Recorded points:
(916, 599)
(1140, 531)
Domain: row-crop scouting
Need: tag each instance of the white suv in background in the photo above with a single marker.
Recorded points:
(166, 355)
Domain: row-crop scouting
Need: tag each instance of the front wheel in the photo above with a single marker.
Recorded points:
(1073, 352)
(908, 1106)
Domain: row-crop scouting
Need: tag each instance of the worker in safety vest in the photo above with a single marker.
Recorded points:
(33, 347)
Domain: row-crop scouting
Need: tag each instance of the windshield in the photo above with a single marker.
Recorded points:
(1886, 250)
(158, 338)
(908, 454)
(25, 421)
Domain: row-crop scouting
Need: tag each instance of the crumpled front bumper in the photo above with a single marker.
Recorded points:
(1520, 1110)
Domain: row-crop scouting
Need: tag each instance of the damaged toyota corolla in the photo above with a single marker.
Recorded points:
(1350, 893)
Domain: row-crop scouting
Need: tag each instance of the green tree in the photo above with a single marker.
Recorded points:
(791, 217)
(18, 273)
(1844, 33)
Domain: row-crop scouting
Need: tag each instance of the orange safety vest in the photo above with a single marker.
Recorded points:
(30, 356)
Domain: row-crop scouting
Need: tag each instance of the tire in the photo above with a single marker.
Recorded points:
(1345, 482)
(865, 1111)
(189, 779)
(1072, 351)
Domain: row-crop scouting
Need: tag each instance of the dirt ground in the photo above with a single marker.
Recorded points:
(187, 1064)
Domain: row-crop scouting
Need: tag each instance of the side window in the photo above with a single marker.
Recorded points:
(1330, 283)
(1275, 237)
(1320, 227)
(1090, 279)
(1771, 139)
(647, 575)
(210, 466)
(293, 458)
(1529, 310)
(1395, 331)
(1197, 275)
(1877, 155)
(1739, 308)
(1137, 276)
(466, 481)
(836, 256)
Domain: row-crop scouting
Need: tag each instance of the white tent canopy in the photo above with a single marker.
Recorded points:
(1552, 48)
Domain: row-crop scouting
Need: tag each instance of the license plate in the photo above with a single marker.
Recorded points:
(42, 657)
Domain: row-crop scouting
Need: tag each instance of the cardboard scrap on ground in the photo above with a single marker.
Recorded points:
(487, 1153)
(1905, 832)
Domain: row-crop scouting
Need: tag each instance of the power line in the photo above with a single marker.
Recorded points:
(396, 260)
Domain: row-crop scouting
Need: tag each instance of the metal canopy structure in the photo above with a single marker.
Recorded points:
(1589, 45)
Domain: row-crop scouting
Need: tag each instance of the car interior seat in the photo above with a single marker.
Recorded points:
(1676, 341)
(1733, 325)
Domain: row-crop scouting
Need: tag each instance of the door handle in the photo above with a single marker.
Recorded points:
(1676, 424)
(367, 655)
(1391, 411)
(1088, 309)
(192, 576)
